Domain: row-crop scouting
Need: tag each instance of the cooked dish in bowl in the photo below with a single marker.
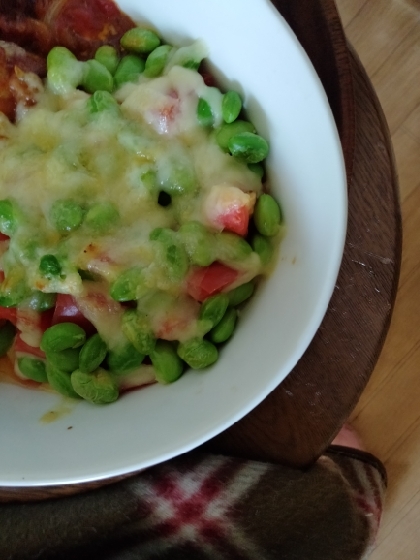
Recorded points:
(287, 104)
(134, 216)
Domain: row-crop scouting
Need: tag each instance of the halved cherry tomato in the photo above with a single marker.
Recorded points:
(67, 311)
(235, 220)
(227, 207)
(210, 280)
(8, 313)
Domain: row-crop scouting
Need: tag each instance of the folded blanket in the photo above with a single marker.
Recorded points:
(206, 507)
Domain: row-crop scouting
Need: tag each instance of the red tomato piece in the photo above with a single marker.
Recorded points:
(8, 313)
(22, 348)
(67, 311)
(46, 319)
(208, 78)
(235, 220)
(208, 281)
(4, 237)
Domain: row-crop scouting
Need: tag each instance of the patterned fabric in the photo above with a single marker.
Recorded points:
(367, 479)
(206, 507)
(198, 506)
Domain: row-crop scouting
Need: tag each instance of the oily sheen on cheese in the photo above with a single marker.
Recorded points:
(57, 150)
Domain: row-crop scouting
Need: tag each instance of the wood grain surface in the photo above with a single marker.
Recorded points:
(386, 35)
(298, 420)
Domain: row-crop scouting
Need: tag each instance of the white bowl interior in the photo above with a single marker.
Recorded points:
(253, 50)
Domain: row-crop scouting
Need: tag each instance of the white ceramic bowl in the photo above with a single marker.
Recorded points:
(252, 50)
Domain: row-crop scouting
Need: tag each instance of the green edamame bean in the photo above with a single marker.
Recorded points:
(98, 387)
(102, 101)
(149, 180)
(11, 299)
(198, 243)
(129, 286)
(108, 57)
(204, 113)
(140, 40)
(156, 61)
(96, 77)
(181, 180)
(66, 215)
(258, 169)
(189, 57)
(14, 289)
(241, 293)
(7, 336)
(176, 262)
(228, 131)
(8, 301)
(173, 254)
(64, 71)
(212, 311)
(168, 365)
(224, 330)
(33, 369)
(60, 381)
(267, 215)
(38, 301)
(248, 146)
(66, 360)
(163, 235)
(62, 336)
(8, 222)
(137, 329)
(124, 358)
(192, 64)
(231, 247)
(231, 106)
(49, 266)
(262, 246)
(92, 354)
(128, 70)
(102, 216)
(198, 353)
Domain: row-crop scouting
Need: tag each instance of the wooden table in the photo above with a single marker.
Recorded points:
(299, 419)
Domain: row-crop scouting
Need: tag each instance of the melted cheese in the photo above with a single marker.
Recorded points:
(58, 150)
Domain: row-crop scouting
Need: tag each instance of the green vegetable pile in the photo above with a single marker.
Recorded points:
(48, 252)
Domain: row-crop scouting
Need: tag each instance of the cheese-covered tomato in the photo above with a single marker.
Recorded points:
(227, 207)
(32, 325)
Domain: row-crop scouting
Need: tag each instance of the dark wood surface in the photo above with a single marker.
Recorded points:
(298, 420)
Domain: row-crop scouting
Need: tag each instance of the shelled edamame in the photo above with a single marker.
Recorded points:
(150, 230)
